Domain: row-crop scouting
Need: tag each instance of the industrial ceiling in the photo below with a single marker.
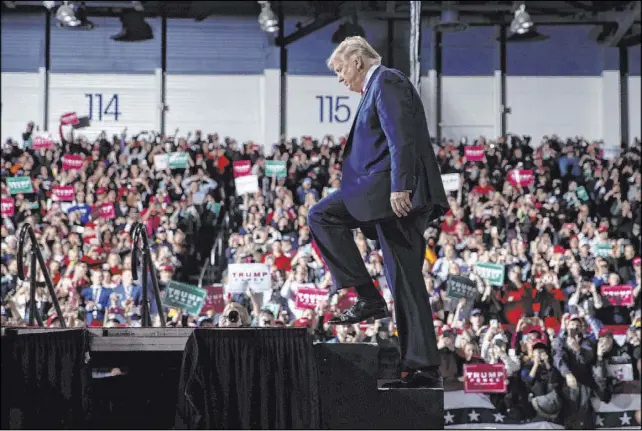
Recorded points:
(617, 22)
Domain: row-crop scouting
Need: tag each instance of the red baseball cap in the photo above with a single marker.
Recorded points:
(301, 323)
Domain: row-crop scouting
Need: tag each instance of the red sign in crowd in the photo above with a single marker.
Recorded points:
(242, 168)
(485, 378)
(309, 297)
(621, 294)
(64, 193)
(474, 153)
(71, 162)
(8, 207)
(215, 299)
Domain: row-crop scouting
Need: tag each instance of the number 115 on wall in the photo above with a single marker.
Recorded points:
(333, 109)
(95, 108)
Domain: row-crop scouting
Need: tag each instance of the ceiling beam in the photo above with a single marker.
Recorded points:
(302, 32)
(391, 6)
(580, 5)
(625, 23)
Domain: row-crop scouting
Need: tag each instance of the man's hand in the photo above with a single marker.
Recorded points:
(570, 381)
(400, 202)
(573, 344)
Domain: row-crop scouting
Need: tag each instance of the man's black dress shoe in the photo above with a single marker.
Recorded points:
(418, 379)
(363, 309)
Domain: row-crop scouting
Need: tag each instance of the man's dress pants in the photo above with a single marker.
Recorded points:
(403, 246)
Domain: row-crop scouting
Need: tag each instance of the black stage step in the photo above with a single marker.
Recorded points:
(350, 398)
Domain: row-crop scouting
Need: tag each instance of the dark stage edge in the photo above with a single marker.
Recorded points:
(145, 397)
(350, 398)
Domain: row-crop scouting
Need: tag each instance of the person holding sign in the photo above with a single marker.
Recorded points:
(391, 190)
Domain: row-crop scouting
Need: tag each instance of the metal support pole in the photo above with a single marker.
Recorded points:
(156, 290)
(49, 283)
(33, 310)
(437, 62)
(139, 233)
(145, 305)
(502, 87)
(283, 67)
(624, 95)
(415, 32)
(163, 74)
(45, 125)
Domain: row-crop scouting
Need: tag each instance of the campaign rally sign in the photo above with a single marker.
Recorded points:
(521, 177)
(69, 119)
(255, 276)
(184, 297)
(178, 160)
(8, 207)
(458, 286)
(42, 143)
(603, 250)
(246, 184)
(64, 193)
(214, 207)
(242, 168)
(19, 185)
(485, 378)
(70, 161)
(474, 153)
(161, 162)
(492, 272)
(622, 294)
(276, 168)
(308, 297)
(451, 182)
(105, 210)
(582, 194)
(215, 299)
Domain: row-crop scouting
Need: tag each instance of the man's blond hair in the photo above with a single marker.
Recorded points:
(353, 46)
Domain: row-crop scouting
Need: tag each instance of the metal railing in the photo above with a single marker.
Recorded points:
(36, 259)
(140, 233)
(217, 248)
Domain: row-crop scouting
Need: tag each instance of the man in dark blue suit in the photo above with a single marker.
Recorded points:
(95, 298)
(391, 190)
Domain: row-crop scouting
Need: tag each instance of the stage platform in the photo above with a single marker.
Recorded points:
(153, 363)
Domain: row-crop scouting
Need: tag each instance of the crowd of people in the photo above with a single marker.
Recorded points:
(548, 234)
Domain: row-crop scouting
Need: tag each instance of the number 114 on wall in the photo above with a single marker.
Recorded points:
(95, 108)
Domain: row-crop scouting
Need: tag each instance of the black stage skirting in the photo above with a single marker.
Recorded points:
(248, 379)
(46, 382)
(223, 379)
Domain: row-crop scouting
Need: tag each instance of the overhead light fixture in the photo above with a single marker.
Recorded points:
(449, 20)
(522, 28)
(347, 29)
(531, 36)
(138, 6)
(135, 28)
(73, 15)
(267, 19)
(522, 22)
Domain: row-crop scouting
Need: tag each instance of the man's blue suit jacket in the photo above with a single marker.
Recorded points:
(389, 150)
